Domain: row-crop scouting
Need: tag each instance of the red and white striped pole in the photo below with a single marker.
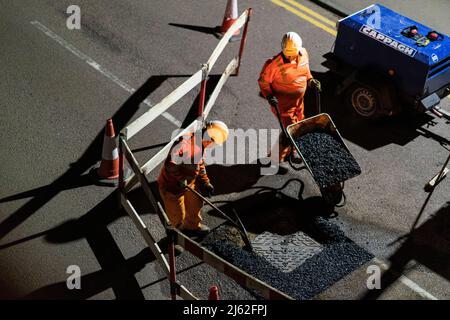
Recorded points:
(243, 40)
(202, 94)
(213, 293)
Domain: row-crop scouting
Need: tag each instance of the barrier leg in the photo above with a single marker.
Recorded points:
(172, 266)
(243, 41)
(201, 102)
(121, 162)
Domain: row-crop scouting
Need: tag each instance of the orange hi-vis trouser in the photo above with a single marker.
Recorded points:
(183, 209)
(182, 206)
(287, 82)
(286, 120)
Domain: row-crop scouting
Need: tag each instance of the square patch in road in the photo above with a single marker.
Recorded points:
(286, 253)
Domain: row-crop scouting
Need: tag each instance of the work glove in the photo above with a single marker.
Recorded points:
(209, 190)
(315, 83)
(273, 101)
(182, 183)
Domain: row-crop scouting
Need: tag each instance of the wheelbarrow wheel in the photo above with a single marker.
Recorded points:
(334, 194)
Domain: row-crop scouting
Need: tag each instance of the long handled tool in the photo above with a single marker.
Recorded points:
(318, 102)
(237, 224)
(437, 178)
(429, 187)
(318, 111)
(286, 135)
(432, 185)
(440, 112)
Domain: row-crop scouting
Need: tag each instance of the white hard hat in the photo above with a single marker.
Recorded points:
(217, 131)
(291, 44)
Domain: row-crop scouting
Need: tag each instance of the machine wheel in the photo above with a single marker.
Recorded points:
(364, 100)
(334, 195)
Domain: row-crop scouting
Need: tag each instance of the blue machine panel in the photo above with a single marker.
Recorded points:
(380, 40)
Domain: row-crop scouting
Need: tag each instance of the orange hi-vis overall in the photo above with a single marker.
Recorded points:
(184, 162)
(287, 81)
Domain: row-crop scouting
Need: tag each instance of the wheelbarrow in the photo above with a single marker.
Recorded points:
(334, 192)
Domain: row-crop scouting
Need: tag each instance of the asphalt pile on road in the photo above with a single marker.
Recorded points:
(226, 234)
(339, 257)
(329, 160)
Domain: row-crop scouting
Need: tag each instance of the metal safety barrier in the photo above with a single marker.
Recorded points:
(140, 173)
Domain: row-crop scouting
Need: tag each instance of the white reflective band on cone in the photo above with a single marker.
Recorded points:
(110, 150)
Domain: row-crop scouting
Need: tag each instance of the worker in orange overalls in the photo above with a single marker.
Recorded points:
(283, 82)
(185, 166)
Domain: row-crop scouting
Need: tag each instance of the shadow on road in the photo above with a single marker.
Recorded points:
(155, 146)
(269, 209)
(215, 31)
(428, 245)
(235, 178)
(193, 110)
(74, 177)
(116, 272)
(248, 174)
(93, 225)
(116, 277)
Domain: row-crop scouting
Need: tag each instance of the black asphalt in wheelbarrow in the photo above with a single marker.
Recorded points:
(323, 150)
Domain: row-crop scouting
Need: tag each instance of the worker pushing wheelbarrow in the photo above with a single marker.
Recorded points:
(283, 82)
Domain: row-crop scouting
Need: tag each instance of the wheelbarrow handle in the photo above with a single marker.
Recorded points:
(279, 120)
(318, 102)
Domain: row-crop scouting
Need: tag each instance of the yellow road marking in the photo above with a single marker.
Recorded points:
(312, 13)
(305, 17)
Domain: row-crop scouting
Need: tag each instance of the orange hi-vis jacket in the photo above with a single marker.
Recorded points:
(287, 81)
(184, 162)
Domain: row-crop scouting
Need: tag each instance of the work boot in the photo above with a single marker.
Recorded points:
(164, 245)
(277, 169)
(178, 250)
(201, 231)
(295, 158)
(283, 168)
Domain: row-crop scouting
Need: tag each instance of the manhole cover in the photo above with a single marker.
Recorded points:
(285, 253)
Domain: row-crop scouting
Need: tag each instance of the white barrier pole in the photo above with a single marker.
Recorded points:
(162, 106)
(232, 66)
(225, 39)
(162, 154)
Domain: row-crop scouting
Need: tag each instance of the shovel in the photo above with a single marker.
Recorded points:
(237, 224)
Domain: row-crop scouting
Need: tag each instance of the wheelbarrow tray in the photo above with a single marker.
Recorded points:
(318, 123)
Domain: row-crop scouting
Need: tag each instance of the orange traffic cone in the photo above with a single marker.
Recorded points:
(231, 15)
(213, 293)
(107, 173)
(109, 167)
